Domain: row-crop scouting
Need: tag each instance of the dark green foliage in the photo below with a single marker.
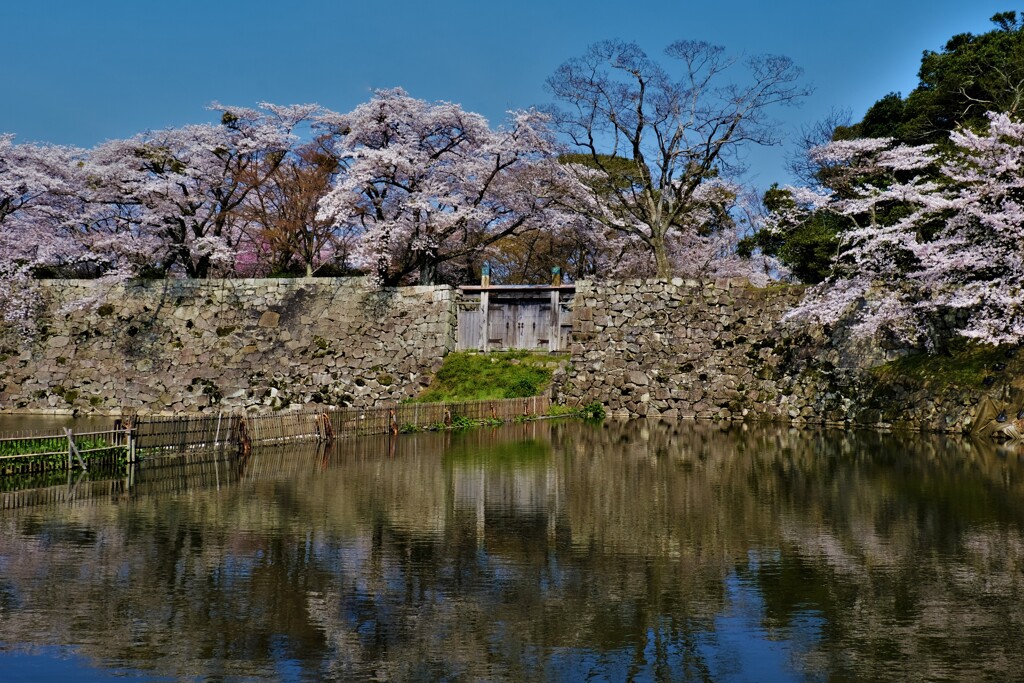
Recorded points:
(523, 387)
(807, 248)
(593, 411)
(882, 120)
(971, 75)
(51, 453)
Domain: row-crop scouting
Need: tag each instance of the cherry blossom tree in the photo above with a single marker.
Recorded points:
(285, 233)
(431, 187)
(179, 193)
(40, 188)
(937, 237)
(40, 220)
(656, 140)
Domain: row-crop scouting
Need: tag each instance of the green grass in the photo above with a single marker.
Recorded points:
(966, 365)
(469, 376)
(51, 452)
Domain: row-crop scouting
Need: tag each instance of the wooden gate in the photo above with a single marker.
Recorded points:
(515, 317)
(519, 325)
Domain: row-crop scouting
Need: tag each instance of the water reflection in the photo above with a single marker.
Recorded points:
(11, 424)
(539, 551)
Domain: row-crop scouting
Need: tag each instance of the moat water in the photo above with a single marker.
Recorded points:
(544, 551)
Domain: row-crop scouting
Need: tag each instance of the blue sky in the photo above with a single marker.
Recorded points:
(81, 72)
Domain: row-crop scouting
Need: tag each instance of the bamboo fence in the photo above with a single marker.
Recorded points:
(36, 451)
(181, 453)
(184, 432)
(214, 431)
(150, 436)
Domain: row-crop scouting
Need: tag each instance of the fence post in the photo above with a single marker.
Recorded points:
(130, 436)
(216, 437)
(485, 282)
(129, 481)
(73, 449)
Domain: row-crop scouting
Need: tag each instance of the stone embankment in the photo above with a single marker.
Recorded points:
(175, 346)
(716, 350)
(722, 350)
(678, 349)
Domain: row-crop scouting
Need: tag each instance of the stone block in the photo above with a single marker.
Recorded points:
(269, 319)
(638, 378)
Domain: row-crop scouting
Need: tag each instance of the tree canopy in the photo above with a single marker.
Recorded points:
(431, 187)
(971, 75)
(959, 86)
(934, 247)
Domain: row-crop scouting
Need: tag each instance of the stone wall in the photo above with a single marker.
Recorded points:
(679, 348)
(209, 345)
(641, 348)
(722, 351)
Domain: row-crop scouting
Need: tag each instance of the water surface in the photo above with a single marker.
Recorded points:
(12, 424)
(546, 551)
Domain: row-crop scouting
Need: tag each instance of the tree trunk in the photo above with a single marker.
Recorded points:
(428, 269)
(198, 268)
(662, 263)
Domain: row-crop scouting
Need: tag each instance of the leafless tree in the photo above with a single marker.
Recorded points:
(679, 126)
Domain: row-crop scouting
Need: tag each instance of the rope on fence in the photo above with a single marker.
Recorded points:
(242, 437)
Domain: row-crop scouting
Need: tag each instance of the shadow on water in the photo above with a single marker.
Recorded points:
(547, 550)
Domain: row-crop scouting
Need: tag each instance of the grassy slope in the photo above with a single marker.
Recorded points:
(469, 376)
(967, 366)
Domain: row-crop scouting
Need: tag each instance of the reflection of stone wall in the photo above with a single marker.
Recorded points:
(857, 555)
(190, 345)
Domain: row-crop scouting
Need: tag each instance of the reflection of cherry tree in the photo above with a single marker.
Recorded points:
(431, 186)
(937, 238)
